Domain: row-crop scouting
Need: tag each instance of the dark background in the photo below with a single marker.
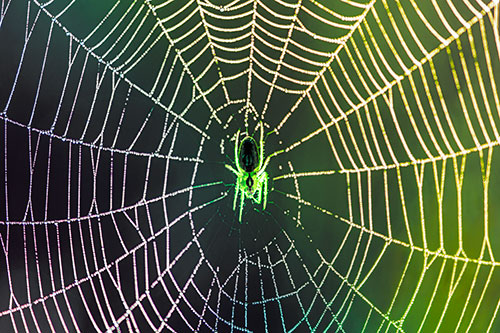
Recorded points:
(116, 207)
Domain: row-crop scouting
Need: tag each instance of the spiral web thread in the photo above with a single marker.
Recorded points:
(372, 76)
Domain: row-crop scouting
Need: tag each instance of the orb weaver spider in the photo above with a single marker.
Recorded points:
(250, 171)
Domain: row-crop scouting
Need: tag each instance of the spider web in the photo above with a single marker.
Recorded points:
(118, 118)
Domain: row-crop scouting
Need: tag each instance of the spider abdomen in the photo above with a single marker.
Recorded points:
(248, 154)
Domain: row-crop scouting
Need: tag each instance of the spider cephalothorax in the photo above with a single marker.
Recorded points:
(251, 177)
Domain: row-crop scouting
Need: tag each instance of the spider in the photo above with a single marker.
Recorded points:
(250, 171)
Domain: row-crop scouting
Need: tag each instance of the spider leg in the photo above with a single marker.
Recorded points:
(261, 143)
(236, 191)
(236, 157)
(268, 158)
(241, 204)
(265, 190)
(258, 191)
(231, 169)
